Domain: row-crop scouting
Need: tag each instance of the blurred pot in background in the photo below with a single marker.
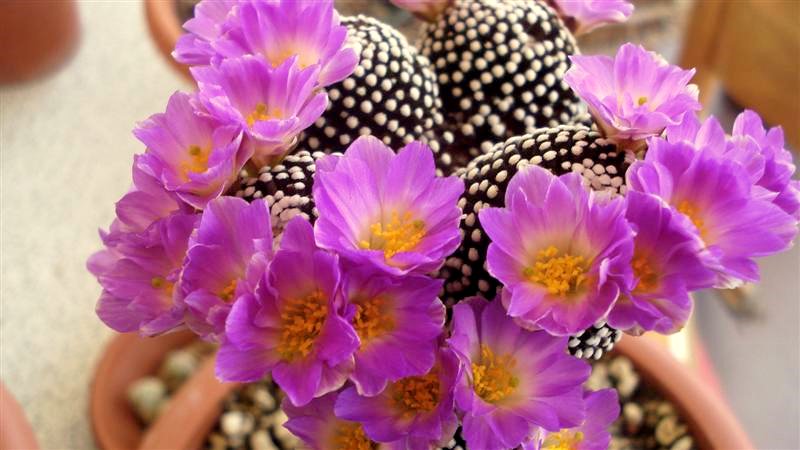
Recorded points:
(37, 36)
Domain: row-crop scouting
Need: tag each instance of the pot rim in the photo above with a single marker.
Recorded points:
(15, 430)
(166, 29)
(113, 422)
(709, 418)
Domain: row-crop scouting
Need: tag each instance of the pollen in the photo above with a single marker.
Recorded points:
(301, 324)
(401, 234)
(641, 101)
(162, 284)
(492, 376)
(690, 211)
(372, 319)
(261, 113)
(563, 440)
(413, 395)
(560, 274)
(196, 162)
(228, 291)
(643, 270)
(351, 436)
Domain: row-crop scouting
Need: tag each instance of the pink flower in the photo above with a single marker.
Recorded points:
(634, 95)
(590, 14)
(189, 153)
(563, 253)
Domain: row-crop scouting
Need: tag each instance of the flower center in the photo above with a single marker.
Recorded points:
(648, 278)
(228, 291)
(372, 320)
(197, 162)
(560, 274)
(304, 58)
(563, 440)
(162, 284)
(690, 211)
(401, 234)
(412, 395)
(351, 436)
(301, 323)
(492, 378)
(261, 113)
(641, 101)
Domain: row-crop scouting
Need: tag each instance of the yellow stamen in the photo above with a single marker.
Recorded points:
(401, 234)
(413, 395)
(648, 277)
(690, 211)
(351, 436)
(492, 376)
(301, 323)
(642, 100)
(197, 162)
(560, 274)
(372, 319)
(228, 292)
(563, 440)
(305, 58)
(263, 112)
(162, 283)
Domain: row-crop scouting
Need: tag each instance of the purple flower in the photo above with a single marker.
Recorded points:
(278, 30)
(750, 141)
(512, 380)
(402, 317)
(387, 210)
(189, 153)
(272, 105)
(666, 265)
(591, 14)
(145, 203)
(212, 19)
(411, 413)
(602, 409)
(563, 253)
(293, 325)
(226, 259)
(717, 203)
(761, 153)
(320, 429)
(425, 9)
(634, 95)
(140, 276)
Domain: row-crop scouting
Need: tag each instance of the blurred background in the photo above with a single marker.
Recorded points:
(66, 151)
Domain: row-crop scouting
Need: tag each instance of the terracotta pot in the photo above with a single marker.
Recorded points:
(710, 420)
(15, 431)
(165, 26)
(126, 359)
(191, 415)
(36, 36)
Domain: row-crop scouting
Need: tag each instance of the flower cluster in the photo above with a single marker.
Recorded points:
(344, 314)
(699, 207)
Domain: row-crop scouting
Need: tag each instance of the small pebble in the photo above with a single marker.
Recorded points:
(684, 443)
(668, 430)
(177, 368)
(633, 416)
(235, 423)
(147, 396)
(260, 440)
